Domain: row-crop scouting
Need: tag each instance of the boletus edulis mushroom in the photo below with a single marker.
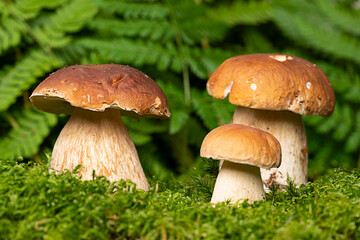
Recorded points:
(243, 150)
(95, 137)
(271, 92)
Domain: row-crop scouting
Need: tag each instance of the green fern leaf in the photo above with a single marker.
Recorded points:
(154, 30)
(137, 53)
(24, 74)
(324, 38)
(204, 62)
(25, 140)
(204, 109)
(212, 112)
(345, 19)
(71, 18)
(10, 33)
(179, 118)
(240, 12)
(131, 9)
(27, 9)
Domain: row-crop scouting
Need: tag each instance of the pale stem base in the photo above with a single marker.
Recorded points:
(98, 141)
(237, 182)
(288, 128)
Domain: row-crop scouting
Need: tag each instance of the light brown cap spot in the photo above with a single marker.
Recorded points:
(272, 81)
(281, 58)
(102, 86)
(242, 144)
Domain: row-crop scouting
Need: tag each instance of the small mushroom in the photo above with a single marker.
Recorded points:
(271, 92)
(243, 150)
(95, 137)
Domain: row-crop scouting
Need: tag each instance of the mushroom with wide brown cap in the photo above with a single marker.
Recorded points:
(271, 92)
(243, 150)
(95, 137)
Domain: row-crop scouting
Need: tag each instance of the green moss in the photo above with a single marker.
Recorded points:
(35, 204)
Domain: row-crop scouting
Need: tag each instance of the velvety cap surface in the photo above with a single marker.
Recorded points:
(97, 87)
(242, 144)
(273, 82)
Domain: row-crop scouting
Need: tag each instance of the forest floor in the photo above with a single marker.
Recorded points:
(35, 204)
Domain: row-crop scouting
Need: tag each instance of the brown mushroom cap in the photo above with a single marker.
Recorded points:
(97, 87)
(273, 82)
(242, 144)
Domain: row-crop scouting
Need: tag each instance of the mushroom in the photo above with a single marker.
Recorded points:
(95, 137)
(271, 92)
(243, 150)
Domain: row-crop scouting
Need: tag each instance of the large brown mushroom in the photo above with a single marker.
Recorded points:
(95, 137)
(271, 92)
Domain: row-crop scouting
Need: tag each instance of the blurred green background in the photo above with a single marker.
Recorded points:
(179, 44)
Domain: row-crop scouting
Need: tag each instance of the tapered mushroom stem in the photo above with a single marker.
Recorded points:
(237, 182)
(288, 128)
(98, 141)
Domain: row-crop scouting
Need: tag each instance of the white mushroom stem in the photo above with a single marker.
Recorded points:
(237, 182)
(98, 141)
(288, 128)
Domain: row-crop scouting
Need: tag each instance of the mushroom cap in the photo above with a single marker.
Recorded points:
(97, 87)
(242, 144)
(273, 82)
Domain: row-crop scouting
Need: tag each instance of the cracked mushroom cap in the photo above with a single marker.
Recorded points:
(97, 87)
(242, 144)
(273, 82)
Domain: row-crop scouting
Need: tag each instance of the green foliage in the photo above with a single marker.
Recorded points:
(36, 204)
(30, 127)
(302, 22)
(241, 12)
(23, 74)
(179, 44)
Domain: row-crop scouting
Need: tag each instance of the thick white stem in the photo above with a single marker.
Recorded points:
(289, 130)
(98, 141)
(237, 182)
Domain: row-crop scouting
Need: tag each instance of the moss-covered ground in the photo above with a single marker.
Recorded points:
(35, 204)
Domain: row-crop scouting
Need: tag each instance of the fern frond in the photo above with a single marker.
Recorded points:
(71, 18)
(28, 9)
(131, 9)
(154, 30)
(205, 110)
(240, 12)
(212, 112)
(33, 127)
(24, 74)
(347, 20)
(190, 21)
(137, 53)
(323, 38)
(180, 112)
(73, 54)
(204, 62)
(179, 118)
(10, 33)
